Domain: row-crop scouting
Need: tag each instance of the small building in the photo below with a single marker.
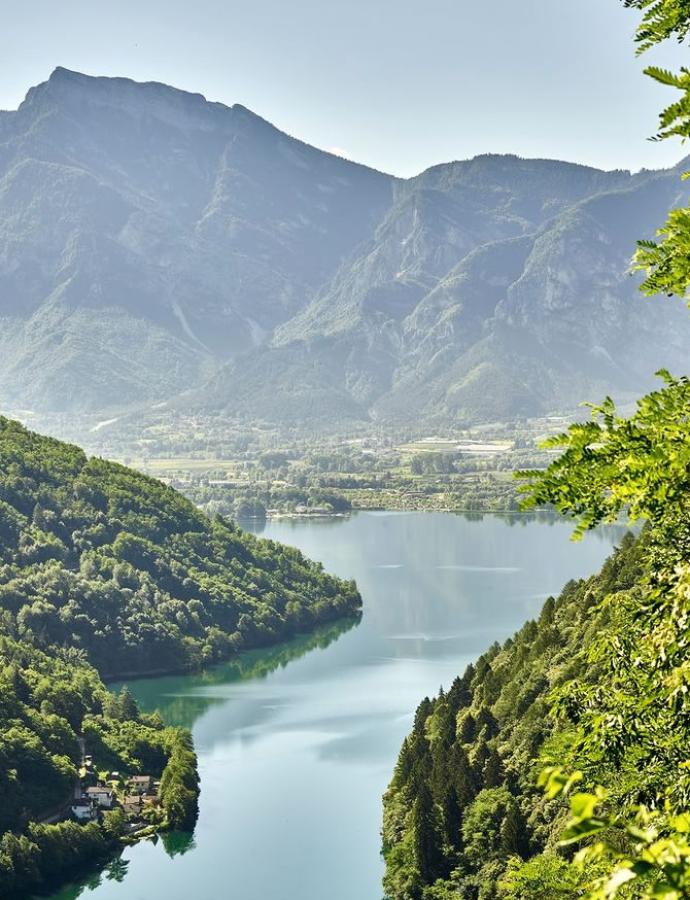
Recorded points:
(101, 795)
(84, 810)
(132, 804)
(139, 784)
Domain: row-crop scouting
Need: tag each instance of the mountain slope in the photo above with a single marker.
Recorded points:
(148, 235)
(525, 312)
(157, 247)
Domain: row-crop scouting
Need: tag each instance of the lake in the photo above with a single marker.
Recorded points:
(297, 744)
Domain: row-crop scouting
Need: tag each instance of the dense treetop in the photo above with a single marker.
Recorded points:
(103, 560)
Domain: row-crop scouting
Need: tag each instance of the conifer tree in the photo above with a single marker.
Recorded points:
(467, 730)
(460, 693)
(452, 817)
(494, 775)
(460, 771)
(127, 704)
(487, 723)
(425, 835)
(512, 833)
(423, 712)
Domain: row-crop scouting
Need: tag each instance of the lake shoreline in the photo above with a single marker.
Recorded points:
(134, 675)
(297, 741)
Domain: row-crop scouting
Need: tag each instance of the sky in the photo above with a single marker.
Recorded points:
(397, 84)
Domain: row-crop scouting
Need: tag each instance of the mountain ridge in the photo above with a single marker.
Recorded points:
(158, 247)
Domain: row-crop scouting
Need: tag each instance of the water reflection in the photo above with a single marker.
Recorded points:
(611, 534)
(177, 843)
(182, 699)
(296, 744)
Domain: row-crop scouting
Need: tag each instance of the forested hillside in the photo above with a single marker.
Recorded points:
(463, 812)
(590, 703)
(48, 703)
(108, 562)
(103, 570)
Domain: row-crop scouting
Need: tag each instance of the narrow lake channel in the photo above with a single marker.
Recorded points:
(297, 744)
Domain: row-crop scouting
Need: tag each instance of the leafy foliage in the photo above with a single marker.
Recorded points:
(610, 465)
(112, 564)
(661, 20)
(666, 263)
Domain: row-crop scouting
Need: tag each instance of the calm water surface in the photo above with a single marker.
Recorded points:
(296, 745)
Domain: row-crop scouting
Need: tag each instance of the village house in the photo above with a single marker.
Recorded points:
(140, 784)
(101, 795)
(84, 810)
(132, 804)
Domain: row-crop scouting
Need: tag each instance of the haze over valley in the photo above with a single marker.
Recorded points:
(157, 248)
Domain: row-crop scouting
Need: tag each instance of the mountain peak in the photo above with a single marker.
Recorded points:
(61, 76)
(60, 73)
(67, 89)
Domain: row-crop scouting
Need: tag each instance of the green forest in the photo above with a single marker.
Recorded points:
(103, 573)
(464, 813)
(49, 702)
(130, 575)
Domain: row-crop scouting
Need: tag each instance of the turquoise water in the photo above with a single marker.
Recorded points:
(296, 744)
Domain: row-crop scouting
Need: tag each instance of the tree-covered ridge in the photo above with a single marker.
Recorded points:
(114, 565)
(104, 569)
(463, 816)
(48, 705)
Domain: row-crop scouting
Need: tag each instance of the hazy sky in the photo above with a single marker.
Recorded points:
(397, 84)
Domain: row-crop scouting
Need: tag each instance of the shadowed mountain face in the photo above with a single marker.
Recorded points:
(147, 236)
(152, 243)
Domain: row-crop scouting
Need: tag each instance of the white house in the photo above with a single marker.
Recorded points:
(101, 795)
(84, 810)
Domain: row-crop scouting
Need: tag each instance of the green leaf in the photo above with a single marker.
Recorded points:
(583, 806)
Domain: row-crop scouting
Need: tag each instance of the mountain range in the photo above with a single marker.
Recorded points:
(159, 248)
